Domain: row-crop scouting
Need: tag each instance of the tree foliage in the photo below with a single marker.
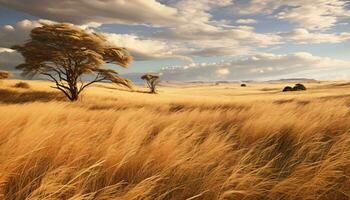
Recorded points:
(152, 81)
(64, 53)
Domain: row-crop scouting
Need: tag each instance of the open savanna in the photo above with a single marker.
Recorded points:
(199, 141)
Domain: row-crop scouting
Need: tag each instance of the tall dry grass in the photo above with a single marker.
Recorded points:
(132, 148)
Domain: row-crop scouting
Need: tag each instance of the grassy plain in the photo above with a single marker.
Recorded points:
(187, 142)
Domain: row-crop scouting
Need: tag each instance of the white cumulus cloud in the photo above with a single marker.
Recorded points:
(304, 36)
(246, 21)
(254, 67)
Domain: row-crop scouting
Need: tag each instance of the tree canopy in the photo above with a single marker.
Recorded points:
(64, 53)
(152, 81)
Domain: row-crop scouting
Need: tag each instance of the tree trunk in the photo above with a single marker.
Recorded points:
(153, 90)
(74, 97)
(74, 93)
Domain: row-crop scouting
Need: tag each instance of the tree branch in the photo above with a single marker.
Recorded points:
(94, 81)
(65, 92)
(58, 85)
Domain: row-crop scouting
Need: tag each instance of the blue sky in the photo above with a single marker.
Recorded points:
(204, 39)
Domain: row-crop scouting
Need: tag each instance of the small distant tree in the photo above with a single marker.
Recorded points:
(5, 74)
(152, 81)
(64, 53)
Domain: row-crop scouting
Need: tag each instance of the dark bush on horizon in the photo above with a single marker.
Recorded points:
(5, 74)
(297, 87)
(287, 89)
(23, 85)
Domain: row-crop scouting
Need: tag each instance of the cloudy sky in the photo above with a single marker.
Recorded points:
(202, 39)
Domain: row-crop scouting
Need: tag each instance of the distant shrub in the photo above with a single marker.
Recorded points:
(299, 87)
(5, 74)
(22, 85)
(287, 89)
(243, 85)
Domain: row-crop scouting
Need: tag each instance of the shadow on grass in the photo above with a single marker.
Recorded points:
(344, 96)
(125, 89)
(15, 97)
(174, 107)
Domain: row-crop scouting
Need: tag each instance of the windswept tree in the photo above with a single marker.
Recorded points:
(4, 74)
(152, 81)
(65, 53)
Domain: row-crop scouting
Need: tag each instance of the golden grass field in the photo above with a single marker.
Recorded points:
(198, 142)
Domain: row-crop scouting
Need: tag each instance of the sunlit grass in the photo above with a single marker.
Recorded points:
(212, 142)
